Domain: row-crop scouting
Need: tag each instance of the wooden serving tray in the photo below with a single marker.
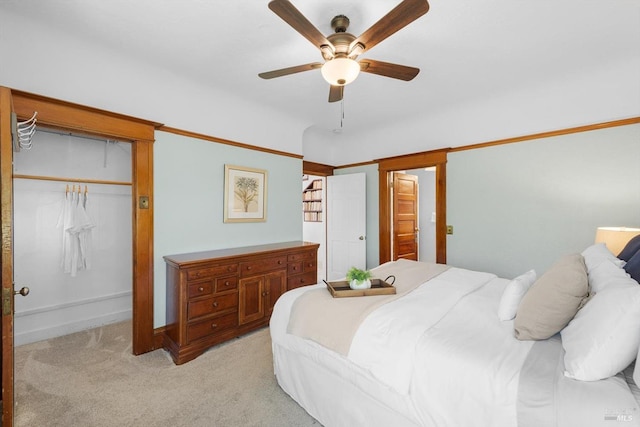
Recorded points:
(378, 287)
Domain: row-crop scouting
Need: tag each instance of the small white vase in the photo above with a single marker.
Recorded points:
(365, 284)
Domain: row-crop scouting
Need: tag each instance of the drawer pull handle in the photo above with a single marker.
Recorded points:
(213, 326)
(301, 280)
(215, 303)
(249, 267)
(279, 261)
(200, 289)
(229, 268)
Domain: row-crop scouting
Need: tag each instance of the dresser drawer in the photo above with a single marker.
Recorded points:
(302, 280)
(251, 268)
(215, 304)
(300, 256)
(226, 284)
(206, 272)
(310, 265)
(212, 326)
(200, 289)
(294, 268)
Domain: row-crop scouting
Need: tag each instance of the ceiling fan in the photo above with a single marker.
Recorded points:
(340, 49)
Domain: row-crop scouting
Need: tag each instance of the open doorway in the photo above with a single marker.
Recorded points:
(413, 208)
(433, 159)
(314, 228)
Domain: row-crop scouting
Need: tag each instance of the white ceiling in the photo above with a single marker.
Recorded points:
(466, 50)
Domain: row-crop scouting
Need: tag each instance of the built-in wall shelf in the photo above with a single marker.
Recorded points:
(312, 201)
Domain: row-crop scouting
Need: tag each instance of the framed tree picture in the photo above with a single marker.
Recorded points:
(245, 194)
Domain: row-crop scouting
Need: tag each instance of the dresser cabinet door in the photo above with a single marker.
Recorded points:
(259, 294)
(275, 285)
(251, 295)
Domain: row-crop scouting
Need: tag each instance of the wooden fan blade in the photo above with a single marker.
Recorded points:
(290, 70)
(387, 69)
(401, 16)
(335, 93)
(292, 16)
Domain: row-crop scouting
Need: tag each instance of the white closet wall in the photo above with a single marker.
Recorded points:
(58, 303)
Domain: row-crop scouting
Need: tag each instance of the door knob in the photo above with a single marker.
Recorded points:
(361, 238)
(24, 291)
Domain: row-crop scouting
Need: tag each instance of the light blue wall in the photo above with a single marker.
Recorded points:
(188, 202)
(520, 206)
(373, 233)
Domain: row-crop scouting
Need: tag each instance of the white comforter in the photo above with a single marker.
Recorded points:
(444, 343)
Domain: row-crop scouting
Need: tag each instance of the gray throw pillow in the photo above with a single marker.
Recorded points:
(553, 300)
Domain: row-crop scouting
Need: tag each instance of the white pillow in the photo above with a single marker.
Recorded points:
(513, 294)
(597, 253)
(604, 273)
(603, 339)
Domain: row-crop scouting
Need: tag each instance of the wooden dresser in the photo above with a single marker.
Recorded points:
(217, 295)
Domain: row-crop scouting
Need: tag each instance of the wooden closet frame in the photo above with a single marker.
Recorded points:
(69, 117)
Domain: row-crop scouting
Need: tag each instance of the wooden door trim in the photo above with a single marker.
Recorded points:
(437, 158)
(318, 169)
(141, 134)
(6, 201)
(68, 116)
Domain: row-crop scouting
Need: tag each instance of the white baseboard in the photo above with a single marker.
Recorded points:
(32, 336)
(54, 321)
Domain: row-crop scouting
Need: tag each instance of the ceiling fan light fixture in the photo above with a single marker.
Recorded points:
(340, 71)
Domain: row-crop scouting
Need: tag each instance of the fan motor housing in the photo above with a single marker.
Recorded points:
(341, 41)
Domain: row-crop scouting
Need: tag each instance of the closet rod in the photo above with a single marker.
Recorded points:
(76, 135)
(82, 181)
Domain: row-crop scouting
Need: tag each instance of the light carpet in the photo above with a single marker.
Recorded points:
(91, 378)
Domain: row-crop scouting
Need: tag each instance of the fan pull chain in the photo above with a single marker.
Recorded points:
(341, 112)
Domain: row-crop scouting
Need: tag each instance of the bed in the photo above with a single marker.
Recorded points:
(443, 351)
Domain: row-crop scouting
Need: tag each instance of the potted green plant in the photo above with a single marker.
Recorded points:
(359, 279)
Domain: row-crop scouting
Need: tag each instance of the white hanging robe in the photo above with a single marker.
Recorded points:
(76, 238)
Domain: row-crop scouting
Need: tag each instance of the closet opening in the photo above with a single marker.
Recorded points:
(72, 234)
(92, 123)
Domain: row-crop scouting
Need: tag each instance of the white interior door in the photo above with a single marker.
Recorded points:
(346, 224)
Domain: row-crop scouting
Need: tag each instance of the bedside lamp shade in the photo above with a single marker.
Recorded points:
(615, 237)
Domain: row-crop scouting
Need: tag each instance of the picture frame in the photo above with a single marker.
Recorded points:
(245, 194)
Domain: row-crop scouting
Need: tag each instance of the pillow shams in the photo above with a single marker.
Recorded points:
(603, 337)
(597, 253)
(603, 274)
(513, 294)
(553, 299)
